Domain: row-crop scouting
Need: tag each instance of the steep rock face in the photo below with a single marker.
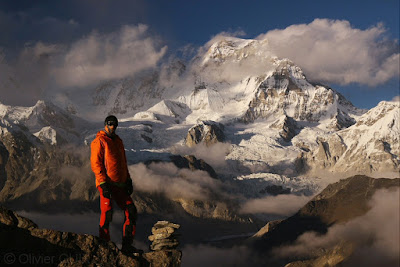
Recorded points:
(120, 97)
(346, 199)
(267, 228)
(22, 242)
(19, 154)
(208, 132)
(370, 145)
(288, 127)
(287, 92)
(3, 161)
(138, 93)
(37, 173)
(337, 203)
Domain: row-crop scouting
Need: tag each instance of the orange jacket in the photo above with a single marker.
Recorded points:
(108, 159)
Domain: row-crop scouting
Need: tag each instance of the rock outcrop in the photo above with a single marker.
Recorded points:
(332, 257)
(267, 228)
(36, 173)
(287, 126)
(192, 163)
(207, 132)
(22, 242)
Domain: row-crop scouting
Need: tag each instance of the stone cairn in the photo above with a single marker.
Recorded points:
(164, 236)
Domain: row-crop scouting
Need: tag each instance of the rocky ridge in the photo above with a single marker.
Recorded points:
(208, 132)
(22, 242)
(338, 203)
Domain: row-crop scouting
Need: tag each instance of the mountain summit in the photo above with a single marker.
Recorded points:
(241, 80)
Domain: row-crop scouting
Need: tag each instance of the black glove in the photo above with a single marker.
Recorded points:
(106, 190)
(129, 186)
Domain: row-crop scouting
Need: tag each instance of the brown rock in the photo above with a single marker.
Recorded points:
(192, 163)
(20, 237)
(162, 258)
(164, 244)
(332, 257)
(208, 132)
(288, 128)
(162, 236)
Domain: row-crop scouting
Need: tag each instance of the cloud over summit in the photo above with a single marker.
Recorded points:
(334, 51)
(329, 51)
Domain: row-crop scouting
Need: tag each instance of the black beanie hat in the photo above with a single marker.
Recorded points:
(111, 118)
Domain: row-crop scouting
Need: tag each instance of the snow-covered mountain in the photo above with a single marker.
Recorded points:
(44, 120)
(235, 79)
(277, 124)
(235, 128)
(372, 144)
(275, 127)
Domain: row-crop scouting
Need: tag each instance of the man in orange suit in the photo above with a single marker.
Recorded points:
(108, 162)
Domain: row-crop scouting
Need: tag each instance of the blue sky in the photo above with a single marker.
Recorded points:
(179, 24)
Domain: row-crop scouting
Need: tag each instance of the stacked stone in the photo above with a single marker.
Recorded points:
(164, 236)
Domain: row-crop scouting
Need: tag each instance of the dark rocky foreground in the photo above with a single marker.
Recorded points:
(23, 243)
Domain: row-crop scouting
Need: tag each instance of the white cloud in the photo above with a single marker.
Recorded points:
(213, 155)
(253, 60)
(42, 67)
(222, 36)
(396, 99)
(335, 52)
(102, 57)
(173, 182)
(284, 205)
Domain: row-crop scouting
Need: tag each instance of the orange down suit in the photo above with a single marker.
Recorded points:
(108, 159)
